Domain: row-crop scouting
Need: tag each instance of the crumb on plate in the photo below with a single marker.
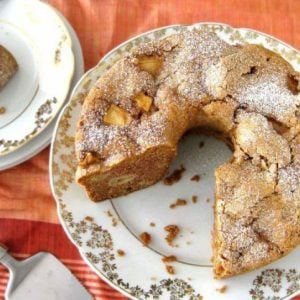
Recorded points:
(114, 222)
(121, 252)
(145, 238)
(170, 269)
(173, 231)
(222, 289)
(179, 202)
(175, 176)
(168, 259)
(2, 110)
(196, 178)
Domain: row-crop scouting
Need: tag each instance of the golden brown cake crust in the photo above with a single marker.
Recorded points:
(133, 118)
(8, 66)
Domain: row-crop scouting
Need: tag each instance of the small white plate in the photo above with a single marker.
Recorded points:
(42, 140)
(39, 40)
(100, 229)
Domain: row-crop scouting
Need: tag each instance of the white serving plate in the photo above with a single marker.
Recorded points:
(41, 141)
(39, 40)
(140, 274)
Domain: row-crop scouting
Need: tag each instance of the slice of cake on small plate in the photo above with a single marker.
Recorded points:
(8, 66)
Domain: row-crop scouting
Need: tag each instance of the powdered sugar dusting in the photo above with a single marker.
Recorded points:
(196, 51)
(289, 179)
(189, 50)
(257, 138)
(268, 95)
(241, 245)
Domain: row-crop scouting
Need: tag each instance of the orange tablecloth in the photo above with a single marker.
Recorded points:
(28, 220)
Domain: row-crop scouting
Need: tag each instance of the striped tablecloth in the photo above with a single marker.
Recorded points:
(28, 220)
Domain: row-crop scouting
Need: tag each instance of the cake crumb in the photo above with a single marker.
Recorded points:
(173, 231)
(121, 252)
(89, 219)
(194, 199)
(114, 221)
(188, 243)
(145, 238)
(196, 178)
(179, 202)
(168, 259)
(189, 279)
(222, 289)
(152, 224)
(2, 110)
(175, 176)
(153, 278)
(170, 269)
(201, 144)
(207, 200)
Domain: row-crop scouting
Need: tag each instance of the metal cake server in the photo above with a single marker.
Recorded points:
(41, 276)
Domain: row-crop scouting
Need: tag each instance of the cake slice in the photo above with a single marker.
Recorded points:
(8, 66)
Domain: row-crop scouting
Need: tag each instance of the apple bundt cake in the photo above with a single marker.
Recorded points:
(134, 116)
